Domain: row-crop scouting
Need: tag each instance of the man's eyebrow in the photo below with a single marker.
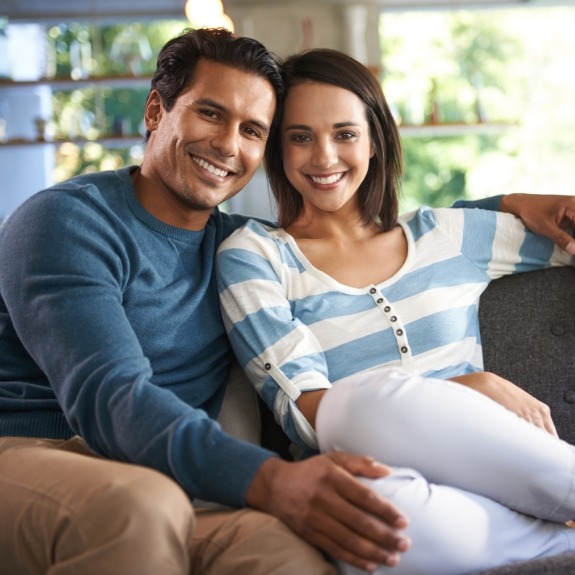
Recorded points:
(264, 127)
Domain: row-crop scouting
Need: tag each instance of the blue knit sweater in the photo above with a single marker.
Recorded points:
(110, 329)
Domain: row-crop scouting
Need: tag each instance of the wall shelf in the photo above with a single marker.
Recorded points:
(106, 141)
(453, 129)
(69, 83)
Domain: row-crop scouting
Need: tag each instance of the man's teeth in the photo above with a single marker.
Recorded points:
(328, 180)
(210, 168)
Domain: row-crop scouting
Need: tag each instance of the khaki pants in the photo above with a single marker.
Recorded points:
(64, 511)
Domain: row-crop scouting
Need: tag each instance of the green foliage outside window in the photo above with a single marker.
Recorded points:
(93, 111)
(477, 70)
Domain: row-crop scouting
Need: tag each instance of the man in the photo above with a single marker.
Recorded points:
(111, 332)
(113, 361)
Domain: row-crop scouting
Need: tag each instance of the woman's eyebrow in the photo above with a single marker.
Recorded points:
(306, 127)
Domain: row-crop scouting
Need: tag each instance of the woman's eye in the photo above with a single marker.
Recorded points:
(346, 135)
(300, 138)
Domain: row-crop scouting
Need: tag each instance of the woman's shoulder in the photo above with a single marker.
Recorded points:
(251, 234)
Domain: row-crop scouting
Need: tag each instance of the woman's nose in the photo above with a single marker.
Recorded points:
(324, 155)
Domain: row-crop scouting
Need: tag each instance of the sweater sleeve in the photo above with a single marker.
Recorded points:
(491, 203)
(65, 277)
(279, 353)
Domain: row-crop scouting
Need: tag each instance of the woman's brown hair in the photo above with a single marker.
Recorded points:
(378, 193)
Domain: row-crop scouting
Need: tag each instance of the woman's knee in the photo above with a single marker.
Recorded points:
(451, 530)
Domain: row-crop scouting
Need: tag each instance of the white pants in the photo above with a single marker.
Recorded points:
(481, 486)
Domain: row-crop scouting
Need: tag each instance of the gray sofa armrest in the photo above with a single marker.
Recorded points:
(528, 333)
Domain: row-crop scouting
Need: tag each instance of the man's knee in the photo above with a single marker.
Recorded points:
(250, 542)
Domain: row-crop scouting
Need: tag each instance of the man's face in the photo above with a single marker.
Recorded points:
(208, 146)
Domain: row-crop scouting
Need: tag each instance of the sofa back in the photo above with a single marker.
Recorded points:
(528, 334)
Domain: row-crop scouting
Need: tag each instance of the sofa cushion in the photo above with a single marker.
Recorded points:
(528, 334)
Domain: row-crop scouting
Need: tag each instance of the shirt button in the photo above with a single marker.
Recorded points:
(569, 396)
(399, 332)
(392, 318)
(404, 349)
(380, 300)
(372, 290)
(386, 308)
(268, 366)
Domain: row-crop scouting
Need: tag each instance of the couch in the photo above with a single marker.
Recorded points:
(528, 333)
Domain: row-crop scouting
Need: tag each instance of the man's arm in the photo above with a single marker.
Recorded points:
(552, 216)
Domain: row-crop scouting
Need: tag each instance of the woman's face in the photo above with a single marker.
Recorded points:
(326, 145)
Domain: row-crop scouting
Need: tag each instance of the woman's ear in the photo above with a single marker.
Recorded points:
(153, 111)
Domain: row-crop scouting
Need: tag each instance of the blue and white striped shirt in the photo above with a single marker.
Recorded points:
(295, 329)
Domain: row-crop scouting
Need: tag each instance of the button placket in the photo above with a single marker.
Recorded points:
(394, 321)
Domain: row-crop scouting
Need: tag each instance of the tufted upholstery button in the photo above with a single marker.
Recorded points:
(569, 396)
(558, 329)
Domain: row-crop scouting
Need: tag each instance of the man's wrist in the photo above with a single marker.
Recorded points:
(260, 491)
(510, 204)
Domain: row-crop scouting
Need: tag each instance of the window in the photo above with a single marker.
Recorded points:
(484, 100)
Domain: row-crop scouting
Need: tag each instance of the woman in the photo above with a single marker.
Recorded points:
(360, 331)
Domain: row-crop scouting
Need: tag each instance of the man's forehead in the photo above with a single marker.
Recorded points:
(226, 85)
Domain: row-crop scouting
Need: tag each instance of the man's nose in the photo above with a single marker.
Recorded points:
(226, 140)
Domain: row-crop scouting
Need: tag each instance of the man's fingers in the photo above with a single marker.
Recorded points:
(563, 239)
(366, 500)
(357, 538)
(360, 465)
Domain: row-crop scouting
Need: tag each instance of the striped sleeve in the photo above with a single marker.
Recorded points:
(498, 243)
(280, 355)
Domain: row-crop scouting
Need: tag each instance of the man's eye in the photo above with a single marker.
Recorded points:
(252, 132)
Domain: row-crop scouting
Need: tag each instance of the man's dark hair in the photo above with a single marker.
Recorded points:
(178, 58)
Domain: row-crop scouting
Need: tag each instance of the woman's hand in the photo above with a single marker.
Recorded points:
(510, 396)
(547, 215)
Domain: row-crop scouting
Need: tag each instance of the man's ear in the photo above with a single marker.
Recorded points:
(153, 111)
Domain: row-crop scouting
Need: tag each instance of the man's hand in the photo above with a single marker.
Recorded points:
(547, 215)
(322, 501)
(510, 396)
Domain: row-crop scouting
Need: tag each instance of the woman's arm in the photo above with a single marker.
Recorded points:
(510, 396)
(552, 216)
(278, 352)
(549, 215)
